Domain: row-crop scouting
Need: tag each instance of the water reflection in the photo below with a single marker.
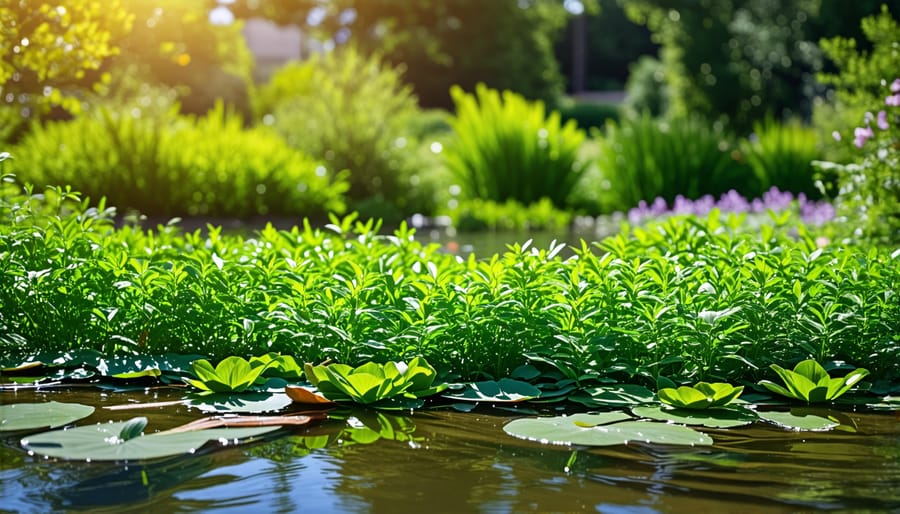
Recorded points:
(379, 462)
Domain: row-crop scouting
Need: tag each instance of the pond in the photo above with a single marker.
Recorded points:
(448, 461)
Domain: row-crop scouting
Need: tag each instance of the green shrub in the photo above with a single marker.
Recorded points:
(507, 148)
(646, 89)
(171, 165)
(643, 158)
(867, 99)
(781, 155)
(352, 112)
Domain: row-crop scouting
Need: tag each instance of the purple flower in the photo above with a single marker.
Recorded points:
(836, 135)
(882, 120)
(893, 100)
(895, 86)
(861, 135)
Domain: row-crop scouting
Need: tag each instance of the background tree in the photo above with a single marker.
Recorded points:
(47, 49)
(174, 45)
(744, 59)
(507, 44)
(612, 43)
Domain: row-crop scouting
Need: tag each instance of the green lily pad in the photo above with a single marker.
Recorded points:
(30, 416)
(564, 430)
(711, 418)
(624, 395)
(791, 421)
(103, 442)
(603, 418)
(240, 402)
(503, 390)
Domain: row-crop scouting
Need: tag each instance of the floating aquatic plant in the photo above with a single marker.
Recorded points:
(124, 441)
(30, 416)
(389, 385)
(606, 429)
(703, 395)
(809, 382)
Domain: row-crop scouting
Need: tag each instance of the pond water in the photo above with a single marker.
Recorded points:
(447, 461)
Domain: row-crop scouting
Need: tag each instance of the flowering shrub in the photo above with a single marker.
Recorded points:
(869, 189)
(867, 91)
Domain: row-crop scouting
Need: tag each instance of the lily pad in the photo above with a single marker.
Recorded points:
(566, 431)
(103, 442)
(710, 418)
(791, 421)
(603, 418)
(624, 395)
(240, 402)
(30, 416)
(503, 390)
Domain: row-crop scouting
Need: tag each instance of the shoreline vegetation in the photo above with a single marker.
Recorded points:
(685, 299)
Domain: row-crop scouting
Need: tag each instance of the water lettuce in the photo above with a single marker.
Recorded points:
(703, 395)
(809, 382)
(388, 385)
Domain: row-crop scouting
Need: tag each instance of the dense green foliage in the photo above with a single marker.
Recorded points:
(744, 59)
(174, 165)
(477, 214)
(688, 299)
(781, 155)
(644, 158)
(353, 113)
(507, 148)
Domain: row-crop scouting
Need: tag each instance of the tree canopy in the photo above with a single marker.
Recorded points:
(507, 44)
(47, 48)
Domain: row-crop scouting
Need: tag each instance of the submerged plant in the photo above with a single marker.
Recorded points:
(701, 396)
(389, 385)
(810, 382)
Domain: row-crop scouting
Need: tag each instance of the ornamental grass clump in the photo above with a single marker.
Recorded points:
(508, 148)
(642, 158)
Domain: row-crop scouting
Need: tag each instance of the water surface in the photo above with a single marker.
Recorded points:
(445, 461)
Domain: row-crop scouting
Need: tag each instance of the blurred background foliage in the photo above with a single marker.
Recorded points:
(718, 95)
(506, 44)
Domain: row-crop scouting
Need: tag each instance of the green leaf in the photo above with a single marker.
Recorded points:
(30, 416)
(503, 390)
(685, 397)
(812, 370)
(794, 422)
(775, 388)
(132, 428)
(624, 395)
(597, 419)
(102, 442)
(729, 417)
(565, 430)
(240, 402)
